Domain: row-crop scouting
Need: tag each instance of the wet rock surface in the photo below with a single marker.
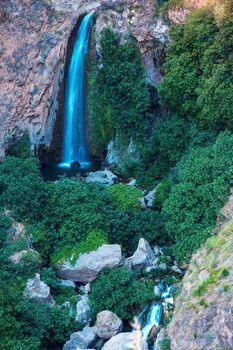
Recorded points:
(83, 310)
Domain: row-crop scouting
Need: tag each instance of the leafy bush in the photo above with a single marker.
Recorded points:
(203, 179)
(120, 95)
(121, 292)
(183, 67)
(27, 325)
(21, 148)
(95, 239)
(126, 198)
(22, 188)
(76, 209)
(169, 140)
(5, 224)
(128, 228)
(198, 70)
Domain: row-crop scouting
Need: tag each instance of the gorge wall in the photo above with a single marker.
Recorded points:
(203, 317)
(33, 45)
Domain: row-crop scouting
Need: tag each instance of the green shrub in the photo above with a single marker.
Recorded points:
(22, 188)
(121, 292)
(126, 198)
(21, 148)
(27, 325)
(183, 67)
(5, 225)
(95, 239)
(203, 180)
(169, 140)
(120, 95)
(128, 228)
(164, 344)
(76, 209)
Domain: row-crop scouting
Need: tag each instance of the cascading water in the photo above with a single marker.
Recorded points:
(154, 317)
(75, 140)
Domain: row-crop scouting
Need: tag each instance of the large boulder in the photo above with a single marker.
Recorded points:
(83, 310)
(88, 266)
(38, 291)
(125, 341)
(105, 177)
(143, 256)
(81, 340)
(108, 324)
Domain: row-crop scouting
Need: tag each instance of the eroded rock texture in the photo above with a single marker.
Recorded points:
(203, 318)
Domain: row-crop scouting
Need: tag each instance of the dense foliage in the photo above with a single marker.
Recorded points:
(120, 291)
(187, 157)
(120, 93)
(126, 198)
(24, 324)
(198, 81)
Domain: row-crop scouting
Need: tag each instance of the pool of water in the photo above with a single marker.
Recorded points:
(52, 172)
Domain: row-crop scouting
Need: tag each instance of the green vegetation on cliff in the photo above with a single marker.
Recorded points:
(187, 157)
(120, 94)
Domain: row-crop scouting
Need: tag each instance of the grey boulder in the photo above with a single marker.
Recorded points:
(157, 292)
(88, 266)
(67, 283)
(81, 340)
(105, 177)
(125, 341)
(38, 291)
(83, 310)
(107, 324)
(143, 256)
(149, 198)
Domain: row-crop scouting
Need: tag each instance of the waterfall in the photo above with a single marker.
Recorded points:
(155, 314)
(75, 138)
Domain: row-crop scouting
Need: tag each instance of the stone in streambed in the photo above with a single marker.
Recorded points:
(107, 324)
(81, 340)
(83, 310)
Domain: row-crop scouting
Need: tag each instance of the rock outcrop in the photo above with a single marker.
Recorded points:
(107, 324)
(88, 266)
(38, 291)
(143, 256)
(81, 340)
(104, 177)
(33, 46)
(203, 318)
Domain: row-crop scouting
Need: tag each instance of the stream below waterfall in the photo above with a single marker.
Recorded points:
(152, 319)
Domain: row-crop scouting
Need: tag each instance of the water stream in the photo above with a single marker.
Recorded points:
(75, 139)
(155, 314)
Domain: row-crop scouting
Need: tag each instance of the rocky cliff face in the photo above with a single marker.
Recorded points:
(33, 44)
(203, 318)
